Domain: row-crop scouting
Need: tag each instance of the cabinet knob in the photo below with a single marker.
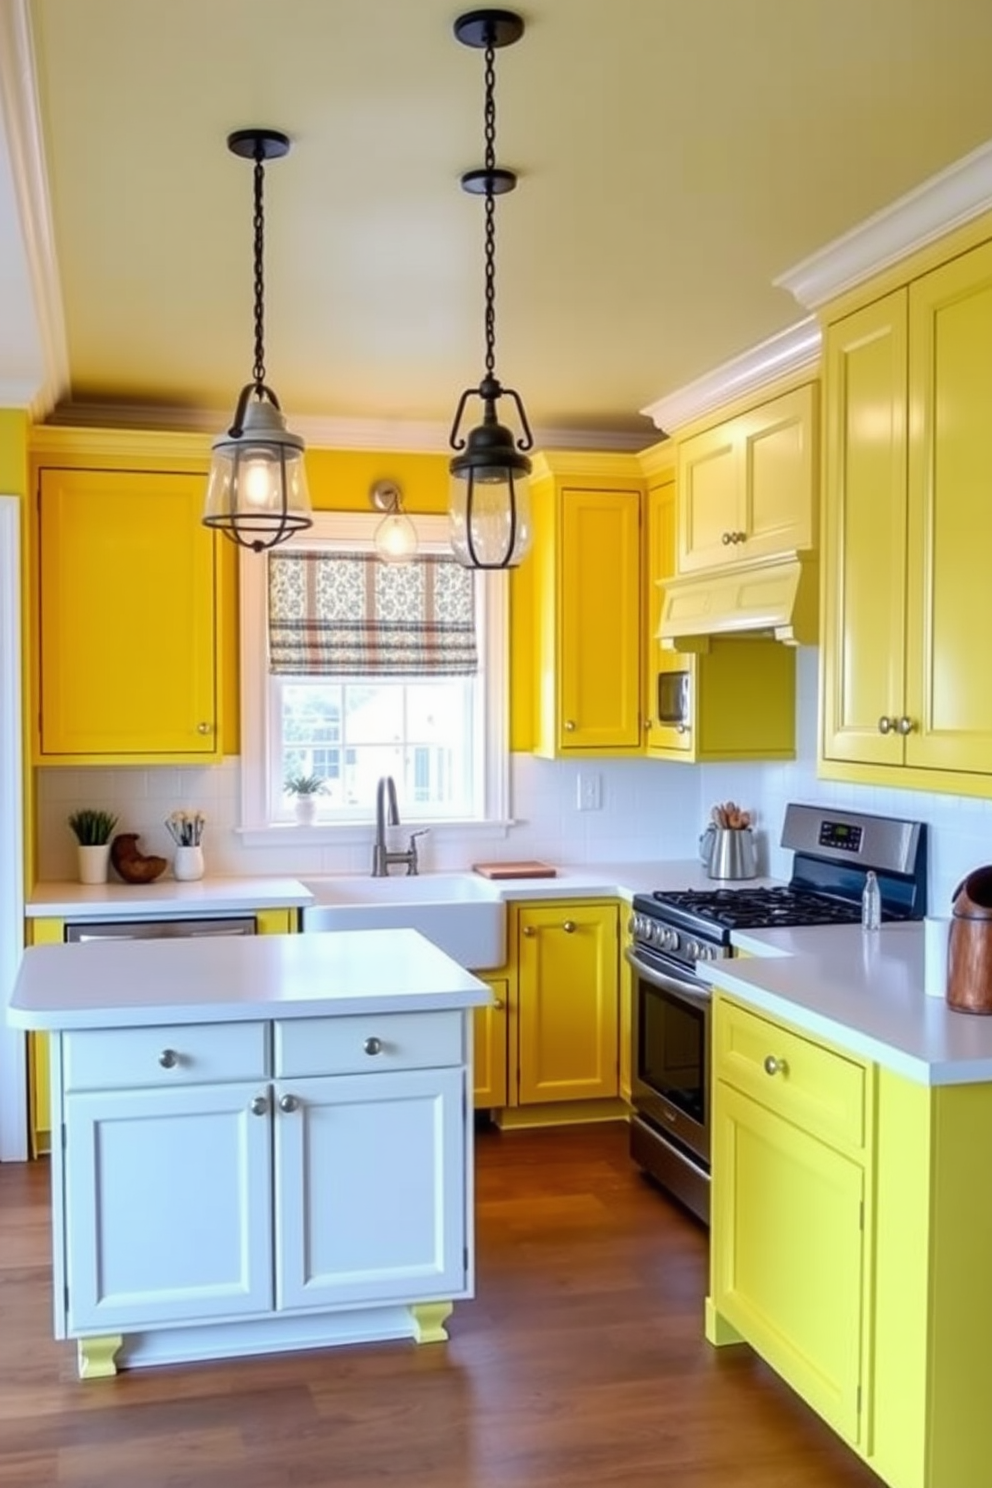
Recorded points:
(905, 726)
(498, 1004)
(681, 728)
(168, 1059)
(569, 927)
(288, 1103)
(204, 728)
(740, 537)
(886, 725)
(528, 930)
(775, 1066)
(570, 725)
(726, 539)
(373, 1046)
(259, 1106)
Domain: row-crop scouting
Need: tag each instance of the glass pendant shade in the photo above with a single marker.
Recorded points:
(257, 492)
(395, 539)
(489, 506)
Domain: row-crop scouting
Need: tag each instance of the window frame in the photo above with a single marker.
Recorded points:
(259, 826)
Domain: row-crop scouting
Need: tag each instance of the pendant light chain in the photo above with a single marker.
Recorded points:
(490, 134)
(258, 222)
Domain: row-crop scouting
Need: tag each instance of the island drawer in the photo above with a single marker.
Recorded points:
(367, 1042)
(190, 1054)
(820, 1089)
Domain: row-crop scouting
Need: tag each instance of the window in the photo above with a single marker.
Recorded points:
(414, 688)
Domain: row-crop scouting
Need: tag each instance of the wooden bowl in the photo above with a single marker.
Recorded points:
(131, 864)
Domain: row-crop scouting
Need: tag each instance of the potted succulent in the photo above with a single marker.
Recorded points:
(305, 789)
(93, 830)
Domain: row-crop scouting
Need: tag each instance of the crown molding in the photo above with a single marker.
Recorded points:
(397, 436)
(21, 120)
(944, 202)
(794, 350)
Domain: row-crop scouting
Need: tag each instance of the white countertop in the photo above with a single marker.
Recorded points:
(166, 898)
(619, 880)
(864, 992)
(131, 983)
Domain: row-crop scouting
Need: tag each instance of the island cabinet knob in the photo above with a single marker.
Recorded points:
(259, 1106)
(168, 1059)
(289, 1103)
(775, 1066)
(373, 1046)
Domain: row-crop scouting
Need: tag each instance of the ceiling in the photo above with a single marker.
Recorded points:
(675, 157)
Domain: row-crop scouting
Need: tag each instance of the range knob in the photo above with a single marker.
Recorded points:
(705, 953)
(692, 949)
(671, 940)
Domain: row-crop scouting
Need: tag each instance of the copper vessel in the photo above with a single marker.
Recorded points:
(969, 949)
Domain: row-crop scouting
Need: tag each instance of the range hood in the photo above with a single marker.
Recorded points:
(777, 597)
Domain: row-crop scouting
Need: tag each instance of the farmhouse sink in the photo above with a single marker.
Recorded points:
(463, 915)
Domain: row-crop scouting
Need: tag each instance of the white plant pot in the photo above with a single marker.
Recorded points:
(306, 810)
(94, 863)
(187, 864)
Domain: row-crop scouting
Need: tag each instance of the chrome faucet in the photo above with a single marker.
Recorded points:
(385, 794)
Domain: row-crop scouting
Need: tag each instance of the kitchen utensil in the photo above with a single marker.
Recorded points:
(728, 852)
(969, 947)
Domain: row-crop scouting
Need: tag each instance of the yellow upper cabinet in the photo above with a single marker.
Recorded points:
(908, 532)
(587, 608)
(747, 487)
(738, 696)
(127, 619)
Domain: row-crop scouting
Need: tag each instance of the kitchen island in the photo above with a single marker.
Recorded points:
(852, 1213)
(263, 1143)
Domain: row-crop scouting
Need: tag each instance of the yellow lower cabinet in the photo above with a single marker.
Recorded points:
(568, 1000)
(489, 1048)
(788, 1253)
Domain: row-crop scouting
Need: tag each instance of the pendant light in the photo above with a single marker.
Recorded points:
(490, 500)
(257, 493)
(395, 538)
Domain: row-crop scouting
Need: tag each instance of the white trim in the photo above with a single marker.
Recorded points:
(257, 829)
(789, 351)
(396, 436)
(20, 114)
(13, 1072)
(945, 201)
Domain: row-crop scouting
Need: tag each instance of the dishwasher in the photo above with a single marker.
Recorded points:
(159, 929)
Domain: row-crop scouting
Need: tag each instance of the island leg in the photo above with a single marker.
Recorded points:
(718, 1330)
(429, 1319)
(96, 1356)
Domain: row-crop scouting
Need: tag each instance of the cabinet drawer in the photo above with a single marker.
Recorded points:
(819, 1089)
(194, 1054)
(367, 1043)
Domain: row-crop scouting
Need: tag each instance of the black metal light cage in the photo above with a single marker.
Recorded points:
(258, 443)
(489, 454)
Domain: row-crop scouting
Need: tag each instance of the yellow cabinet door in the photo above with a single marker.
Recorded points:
(127, 618)
(664, 740)
(711, 498)
(863, 674)
(600, 621)
(568, 1019)
(489, 1046)
(787, 1253)
(948, 697)
(747, 488)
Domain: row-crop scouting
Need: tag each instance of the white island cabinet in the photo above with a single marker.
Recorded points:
(265, 1142)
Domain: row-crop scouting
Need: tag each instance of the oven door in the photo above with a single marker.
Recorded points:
(671, 1053)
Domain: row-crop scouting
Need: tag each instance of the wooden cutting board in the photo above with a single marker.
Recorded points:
(529, 869)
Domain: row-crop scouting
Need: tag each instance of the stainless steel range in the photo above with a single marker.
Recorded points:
(672, 932)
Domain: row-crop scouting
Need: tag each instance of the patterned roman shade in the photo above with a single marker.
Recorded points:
(348, 614)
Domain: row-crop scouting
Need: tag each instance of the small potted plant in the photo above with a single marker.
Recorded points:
(305, 789)
(93, 830)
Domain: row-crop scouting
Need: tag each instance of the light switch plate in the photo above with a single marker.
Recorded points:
(589, 790)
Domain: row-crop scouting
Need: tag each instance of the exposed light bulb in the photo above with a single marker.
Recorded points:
(395, 539)
(258, 483)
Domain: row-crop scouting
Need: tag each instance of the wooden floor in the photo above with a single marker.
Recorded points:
(581, 1362)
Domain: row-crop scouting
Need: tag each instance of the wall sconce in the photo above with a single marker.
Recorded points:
(395, 538)
(490, 499)
(257, 493)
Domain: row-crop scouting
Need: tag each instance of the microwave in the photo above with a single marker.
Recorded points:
(674, 701)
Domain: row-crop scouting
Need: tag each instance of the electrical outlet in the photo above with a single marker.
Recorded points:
(589, 790)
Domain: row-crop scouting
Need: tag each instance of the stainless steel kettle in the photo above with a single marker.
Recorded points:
(728, 852)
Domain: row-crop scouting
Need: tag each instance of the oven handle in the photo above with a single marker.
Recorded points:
(690, 991)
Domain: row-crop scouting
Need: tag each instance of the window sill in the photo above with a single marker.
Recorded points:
(351, 834)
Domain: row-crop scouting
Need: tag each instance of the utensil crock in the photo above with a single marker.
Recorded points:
(728, 852)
